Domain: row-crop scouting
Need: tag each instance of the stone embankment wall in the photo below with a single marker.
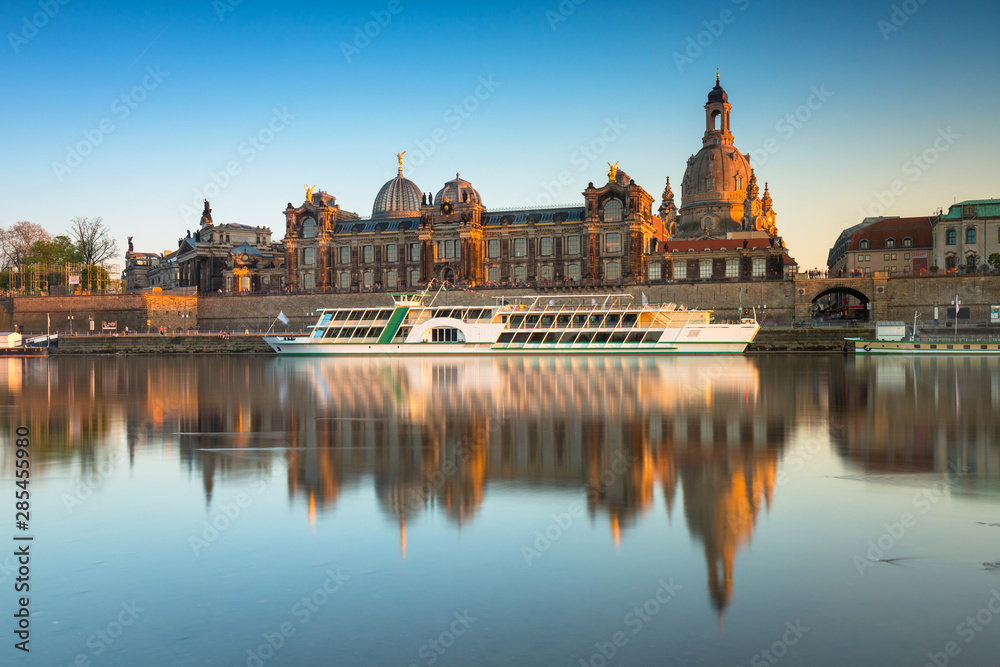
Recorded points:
(778, 302)
(143, 344)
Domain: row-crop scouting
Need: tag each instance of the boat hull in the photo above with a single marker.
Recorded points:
(304, 347)
(924, 347)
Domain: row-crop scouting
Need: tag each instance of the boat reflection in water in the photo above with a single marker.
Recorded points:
(436, 434)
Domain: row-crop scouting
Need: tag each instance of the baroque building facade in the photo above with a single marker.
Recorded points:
(725, 229)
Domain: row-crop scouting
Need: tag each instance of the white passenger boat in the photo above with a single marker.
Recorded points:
(561, 325)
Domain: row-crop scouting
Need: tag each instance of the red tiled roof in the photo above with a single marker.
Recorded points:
(919, 229)
(713, 244)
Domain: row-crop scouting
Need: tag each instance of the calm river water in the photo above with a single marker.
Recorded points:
(799, 510)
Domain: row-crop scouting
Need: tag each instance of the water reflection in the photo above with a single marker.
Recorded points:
(436, 435)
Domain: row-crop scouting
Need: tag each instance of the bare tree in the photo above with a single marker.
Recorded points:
(16, 241)
(92, 240)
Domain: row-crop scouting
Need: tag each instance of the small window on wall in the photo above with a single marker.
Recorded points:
(572, 245)
(951, 237)
(970, 235)
(493, 275)
(613, 271)
(308, 281)
(414, 252)
(414, 278)
(613, 242)
(345, 255)
(705, 269)
(545, 246)
(493, 248)
(369, 254)
(520, 274)
(345, 280)
(520, 247)
(390, 279)
(655, 271)
(907, 242)
(732, 268)
(308, 228)
(390, 253)
(759, 266)
(369, 279)
(613, 211)
(890, 243)
(573, 271)
(864, 244)
(309, 256)
(680, 270)
(546, 273)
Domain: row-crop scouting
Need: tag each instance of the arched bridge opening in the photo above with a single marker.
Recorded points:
(840, 304)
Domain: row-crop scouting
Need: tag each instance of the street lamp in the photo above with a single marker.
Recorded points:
(70, 319)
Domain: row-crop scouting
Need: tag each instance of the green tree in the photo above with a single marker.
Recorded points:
(59, 250)
(994, 261)
(94, 277)
(16, 242)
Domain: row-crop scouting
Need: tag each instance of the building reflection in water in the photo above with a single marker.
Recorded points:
(927, 414)
(434, 434)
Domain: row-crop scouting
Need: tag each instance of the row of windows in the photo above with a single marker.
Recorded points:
(757, 269)
(889, 243)
(951, 236)
(453, 249)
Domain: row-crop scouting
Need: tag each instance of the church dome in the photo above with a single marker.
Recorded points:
(399, 198)
(718, 168)
(455, 191)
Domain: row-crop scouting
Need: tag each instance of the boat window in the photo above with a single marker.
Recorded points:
(325, 319)
(629, 320)
(984, 347)
(515, 321)
(506, 337)
(521, 338)
(563, 320)
(602, 336)
(383, 315)
(579, 320)
(446, 335)
(612, 320)
(595, 320)
(933, 347)
(368, 315)
(585, 338)
(532, 320)
(547, 320)
(331, 333)
(474, 315)
(403, 332)
(634, 337)
(552, 337)
(652, 336)
(618, 337)
(536, 337)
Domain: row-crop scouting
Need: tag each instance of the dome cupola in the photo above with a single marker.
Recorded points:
(399, 198)
(458, 191)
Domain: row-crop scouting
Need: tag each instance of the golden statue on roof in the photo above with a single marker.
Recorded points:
(613, 171)
(309, 192)
(399, 156)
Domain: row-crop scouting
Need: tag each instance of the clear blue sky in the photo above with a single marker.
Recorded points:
(199, 78)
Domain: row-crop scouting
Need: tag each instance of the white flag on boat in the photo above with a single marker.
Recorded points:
(283, 318)
(593, 302)
(645, 300)
(552, 302)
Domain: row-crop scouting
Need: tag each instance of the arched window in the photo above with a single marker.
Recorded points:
(369, 278)
(864, 244)
(573, 271)
(546, 273)
(890, 243)
(951, 236)
(345, 280)
(613, 211)
(493, 275)
(716, 120)
(970, 235)
(308, 228)
(520, 274)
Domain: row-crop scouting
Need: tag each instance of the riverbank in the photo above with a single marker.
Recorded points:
(769, 340)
